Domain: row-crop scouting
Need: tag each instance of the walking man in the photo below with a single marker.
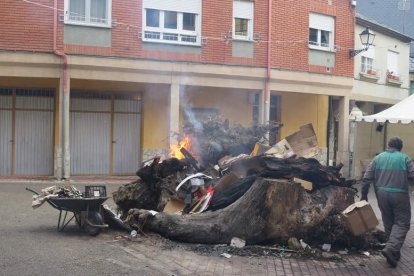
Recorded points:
(390, 171)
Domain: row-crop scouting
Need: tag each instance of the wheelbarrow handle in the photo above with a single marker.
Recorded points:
(30, 190)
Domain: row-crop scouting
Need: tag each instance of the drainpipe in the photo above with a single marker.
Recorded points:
(266, 98)
(65, 98)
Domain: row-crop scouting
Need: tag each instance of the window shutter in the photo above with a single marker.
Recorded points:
(393, 62)
(321, 22)
(243, 9)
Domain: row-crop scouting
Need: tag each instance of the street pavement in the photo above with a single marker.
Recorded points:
(30, 245)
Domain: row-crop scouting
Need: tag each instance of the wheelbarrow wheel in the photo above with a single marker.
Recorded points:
(94, 218)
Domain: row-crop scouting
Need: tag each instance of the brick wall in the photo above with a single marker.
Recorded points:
(26, 26)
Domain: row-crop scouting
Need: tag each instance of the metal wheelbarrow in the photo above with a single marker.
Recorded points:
(86, 211)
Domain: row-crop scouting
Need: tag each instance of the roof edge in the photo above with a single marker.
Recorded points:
(363, 21)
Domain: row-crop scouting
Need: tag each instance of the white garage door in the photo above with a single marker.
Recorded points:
(104, 134)
(26, 136)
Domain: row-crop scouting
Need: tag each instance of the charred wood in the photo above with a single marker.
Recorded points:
(271, 210)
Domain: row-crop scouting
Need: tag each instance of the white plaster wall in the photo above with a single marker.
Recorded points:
(366, 90)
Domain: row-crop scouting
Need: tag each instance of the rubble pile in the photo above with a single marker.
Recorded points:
(261, 195)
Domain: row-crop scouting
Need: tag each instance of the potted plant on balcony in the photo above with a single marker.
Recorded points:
(369, 75)
(391, 78)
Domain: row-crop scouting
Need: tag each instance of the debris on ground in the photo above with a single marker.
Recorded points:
(238, 243)
(225, 255)
(226, 183)
(294, 244)
(326, 247)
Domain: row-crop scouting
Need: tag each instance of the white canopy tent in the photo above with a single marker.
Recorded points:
(402, 112)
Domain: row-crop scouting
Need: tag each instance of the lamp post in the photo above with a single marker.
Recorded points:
(367, 39)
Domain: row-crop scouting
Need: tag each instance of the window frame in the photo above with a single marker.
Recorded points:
(325, 20)
(250, 20)
(368, 64)
(87, 21)
(179, 30)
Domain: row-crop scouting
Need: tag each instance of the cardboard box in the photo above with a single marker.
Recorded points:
(304, 142)
(259, 149)
(281, 150)
(174, 206)
(305, 184)
(360, 218)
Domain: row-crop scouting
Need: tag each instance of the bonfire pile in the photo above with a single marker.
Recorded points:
(219, 190)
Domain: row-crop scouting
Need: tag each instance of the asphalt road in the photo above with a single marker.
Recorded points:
(30, 244)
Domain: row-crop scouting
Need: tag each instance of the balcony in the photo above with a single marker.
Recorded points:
(393, 79)
(369, 75)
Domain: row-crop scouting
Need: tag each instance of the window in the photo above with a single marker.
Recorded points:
(170, 20)
(367, 61)
(189, 21)
(321, 32)
(243, 20)
(175, 21)
(241, 27)
(366, 65)
(392, 63)
(88, 12)
(153, 18)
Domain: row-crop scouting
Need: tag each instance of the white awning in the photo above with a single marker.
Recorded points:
(402, 112)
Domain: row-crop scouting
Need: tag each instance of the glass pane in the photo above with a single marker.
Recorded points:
(241, 26)
(189, 21)
(153, 18)
(77, 10)
(152, 35)
(169, 36)
(170, 20)
(189, 38)
(99, 11)
(313, 36)
(363, 64)
(370, 62)
(324, 38)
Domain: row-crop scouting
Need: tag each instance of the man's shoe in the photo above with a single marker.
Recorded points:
(391, 259)
(397, 255)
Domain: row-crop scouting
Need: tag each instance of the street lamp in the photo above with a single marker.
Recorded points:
(367, 39)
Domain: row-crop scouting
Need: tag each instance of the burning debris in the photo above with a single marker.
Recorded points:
(220, 191)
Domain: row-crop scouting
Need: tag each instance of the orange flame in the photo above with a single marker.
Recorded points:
(175, 149)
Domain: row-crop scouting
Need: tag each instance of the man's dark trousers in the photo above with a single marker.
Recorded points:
(396, 216)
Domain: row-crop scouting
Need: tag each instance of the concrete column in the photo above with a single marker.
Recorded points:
(174, 111)
(58, 155)
(343, 135)
(265, 106)
(65, 130)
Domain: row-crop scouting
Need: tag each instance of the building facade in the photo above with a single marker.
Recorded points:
(96, 87)
(381, 79)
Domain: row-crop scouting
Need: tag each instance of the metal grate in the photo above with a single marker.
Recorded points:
(89, 95)
(35, 92)
(6, 91)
